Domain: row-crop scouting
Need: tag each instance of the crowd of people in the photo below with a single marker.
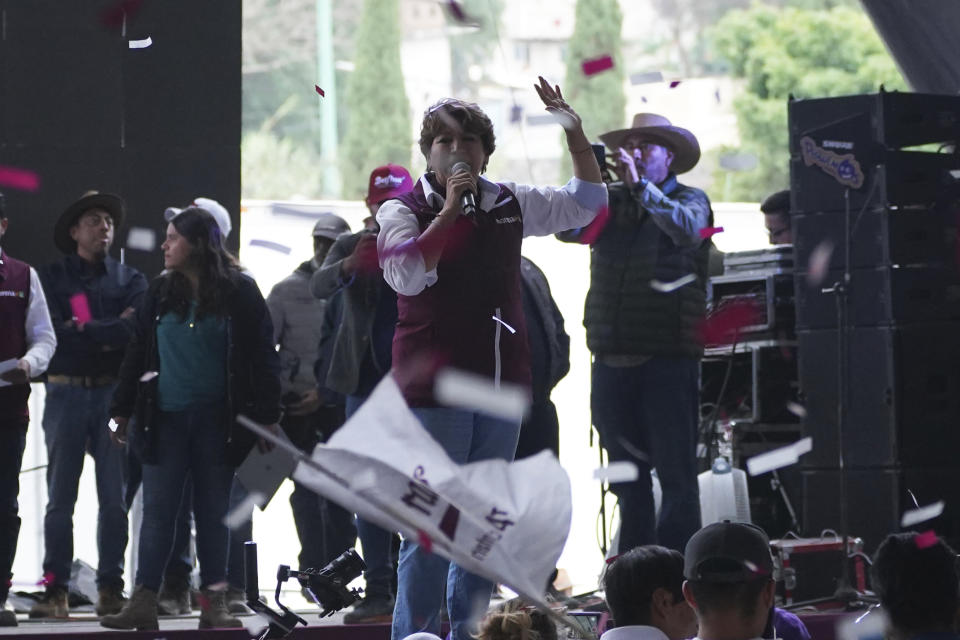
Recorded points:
(148, 376)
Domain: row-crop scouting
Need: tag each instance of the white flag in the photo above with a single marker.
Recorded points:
(507, 522)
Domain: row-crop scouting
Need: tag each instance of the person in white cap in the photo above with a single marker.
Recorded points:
(211, 206)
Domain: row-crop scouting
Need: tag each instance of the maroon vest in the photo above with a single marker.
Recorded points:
(14, 302)
(451, 322)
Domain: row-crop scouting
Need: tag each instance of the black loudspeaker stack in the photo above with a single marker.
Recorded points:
(136, 98)
(890, 160)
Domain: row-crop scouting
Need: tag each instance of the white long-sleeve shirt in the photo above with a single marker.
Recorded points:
(546, 210)
(41, 339)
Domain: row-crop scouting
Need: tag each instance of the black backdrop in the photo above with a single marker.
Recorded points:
(159, 125)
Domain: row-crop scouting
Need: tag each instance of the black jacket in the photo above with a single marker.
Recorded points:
(253, 371)
(110, 287)
(550, 322)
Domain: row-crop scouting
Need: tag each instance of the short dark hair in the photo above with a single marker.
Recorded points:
(631, 579)
(741, 597)
(467, 115)
(778, 202)
(918, 587)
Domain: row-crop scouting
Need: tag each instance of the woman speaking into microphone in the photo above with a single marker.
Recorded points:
(451, 250)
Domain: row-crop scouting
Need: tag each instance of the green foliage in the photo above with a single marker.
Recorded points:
(807, 53)
(275, 168)
(599, 99)
(376, 108)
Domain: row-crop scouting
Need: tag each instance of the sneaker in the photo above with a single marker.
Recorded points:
(110, 600)
(8, 617)
(371, 610)
(52, 604)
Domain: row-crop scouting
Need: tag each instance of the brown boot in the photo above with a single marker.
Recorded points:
(52, 604)
(213, 611)
(110, 601)
(140, 612)
(174, 598)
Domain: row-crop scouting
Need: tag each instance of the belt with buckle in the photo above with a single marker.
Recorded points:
(88, 382)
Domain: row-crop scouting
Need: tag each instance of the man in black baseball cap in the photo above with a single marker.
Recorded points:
(729, 580)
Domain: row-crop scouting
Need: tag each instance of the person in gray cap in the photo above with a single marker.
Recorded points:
(729, 580)
(325, 529)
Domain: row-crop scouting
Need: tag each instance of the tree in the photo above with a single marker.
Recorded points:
(806, 53)
(376, 107)
(599, 99)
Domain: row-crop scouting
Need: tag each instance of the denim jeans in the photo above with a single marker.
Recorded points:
(652, 408)
(466, 436)
(189, 443)
(74, 424)
(13, 440)
(377, 543)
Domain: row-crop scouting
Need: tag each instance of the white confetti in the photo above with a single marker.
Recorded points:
(819, 263)
(779, 458)
(701, 450)
(142, 239)
(667, 287)
(797, 409)
(507, 326)
(617, 472)
(916, 516)
(149, 375)
(141, 44)
(478, 393)
(243, 511)
(112, 425)
(646, 77)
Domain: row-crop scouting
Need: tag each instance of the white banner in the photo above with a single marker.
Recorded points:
(505, 521)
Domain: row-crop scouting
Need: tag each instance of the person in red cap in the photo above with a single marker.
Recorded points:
(361, 356)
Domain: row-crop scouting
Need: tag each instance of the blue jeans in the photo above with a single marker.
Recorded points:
(654, 409)
(13, 440)
(377, 543)
(75, 423)
(466, 437)
(189, 443)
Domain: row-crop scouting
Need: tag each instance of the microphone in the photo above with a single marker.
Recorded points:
(467, 200)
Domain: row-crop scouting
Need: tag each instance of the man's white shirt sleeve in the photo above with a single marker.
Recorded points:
(41, 339)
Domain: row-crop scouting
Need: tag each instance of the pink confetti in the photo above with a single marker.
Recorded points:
(203, 601)
(819, 263)
(612, 559)
(80, 307)
(113, 16)
(19, 179)
(926, 539)
(709, 232)
(424, 541)
(48, 578)
(593, 230)
(458, 14)
(596, 65)
(675, 83)
(320, 91)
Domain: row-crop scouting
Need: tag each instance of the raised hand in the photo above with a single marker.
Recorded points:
(553, 100)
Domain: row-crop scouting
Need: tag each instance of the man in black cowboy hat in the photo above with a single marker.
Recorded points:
(645, 304)
(91, 298)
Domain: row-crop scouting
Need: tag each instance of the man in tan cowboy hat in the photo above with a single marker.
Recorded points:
(643, 311)
(91, 296)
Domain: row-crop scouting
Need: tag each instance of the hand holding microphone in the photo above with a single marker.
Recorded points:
(462, 177)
